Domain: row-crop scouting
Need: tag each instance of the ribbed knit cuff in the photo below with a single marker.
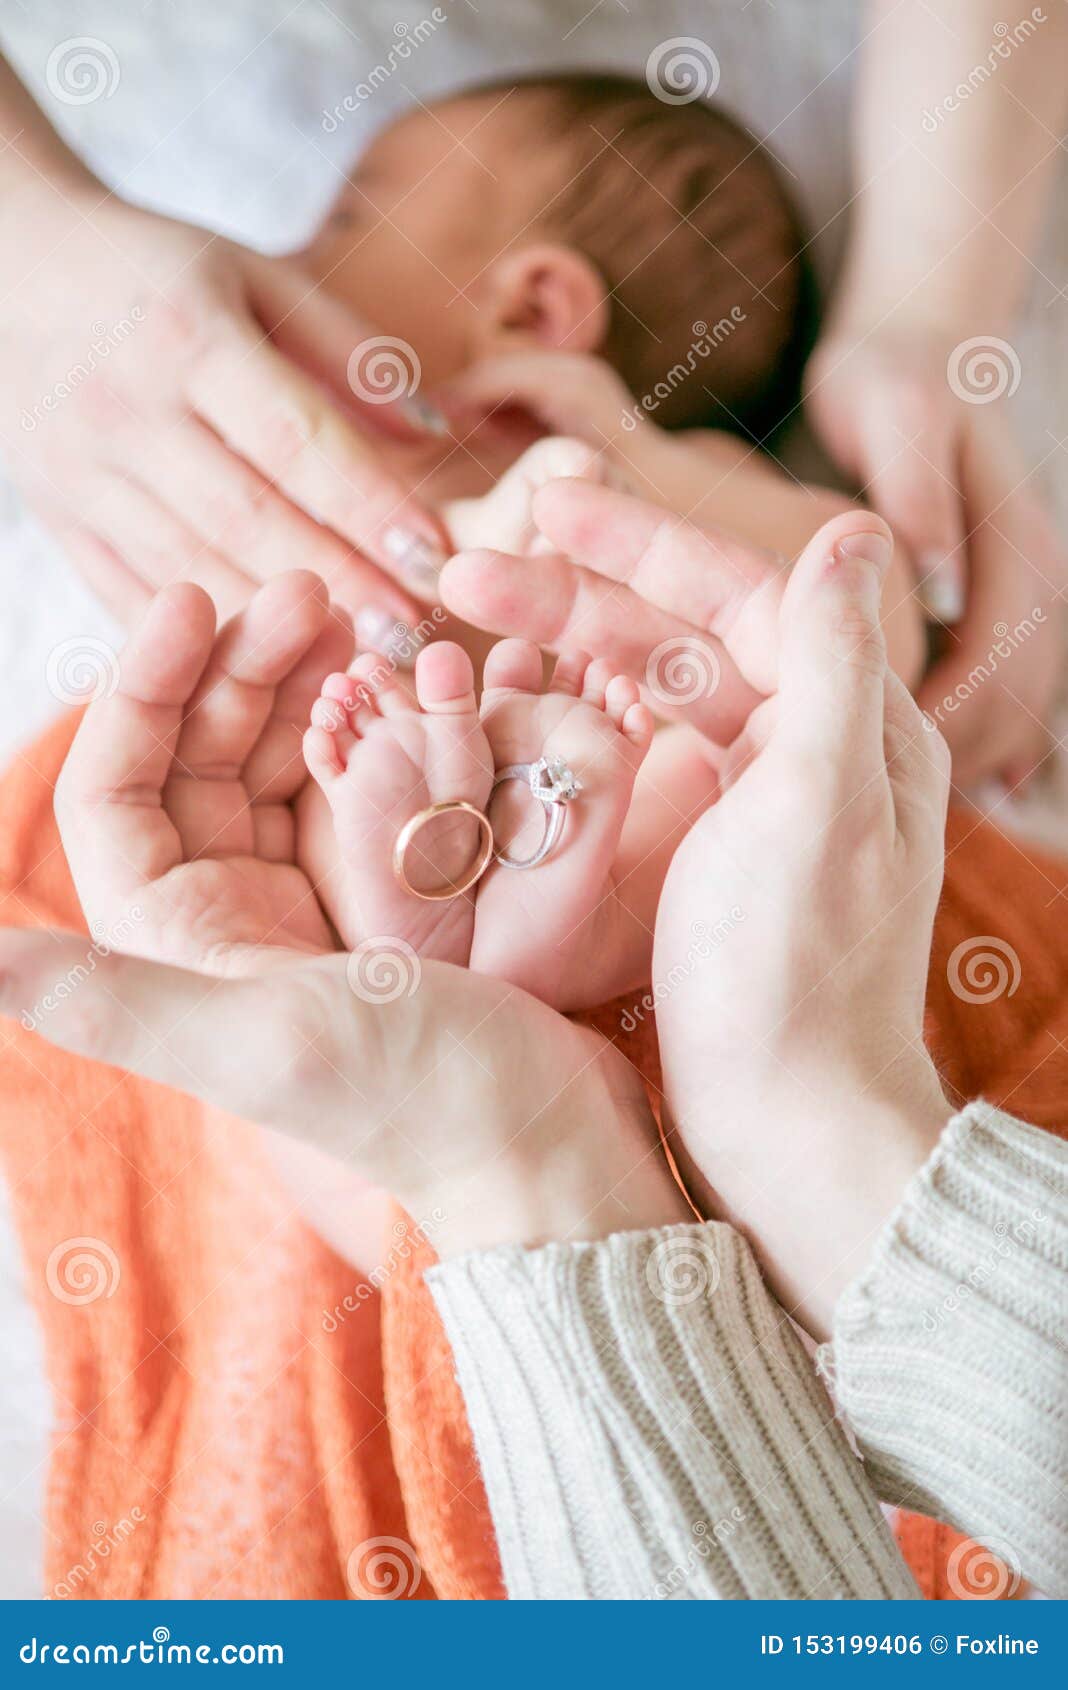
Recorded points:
(649, 1425)
(949, 1353)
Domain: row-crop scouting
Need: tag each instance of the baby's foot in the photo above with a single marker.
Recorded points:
(558, 928)
(380, 758)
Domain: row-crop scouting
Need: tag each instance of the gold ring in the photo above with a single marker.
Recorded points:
(412, 827)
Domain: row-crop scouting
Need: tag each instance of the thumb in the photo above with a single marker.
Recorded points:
(832, 662)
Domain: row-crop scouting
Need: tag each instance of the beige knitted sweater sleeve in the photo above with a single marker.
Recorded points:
(649, 1425)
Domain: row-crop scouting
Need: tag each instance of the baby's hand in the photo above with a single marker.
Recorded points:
(501, 519)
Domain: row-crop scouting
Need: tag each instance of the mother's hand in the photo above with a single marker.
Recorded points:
(793, 940)
(689, 611)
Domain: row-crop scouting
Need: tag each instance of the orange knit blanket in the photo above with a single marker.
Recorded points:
(215, 1435)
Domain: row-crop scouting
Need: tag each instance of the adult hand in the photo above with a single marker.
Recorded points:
(939, 466)
(685, 610)
(793, 939)
(178, 408)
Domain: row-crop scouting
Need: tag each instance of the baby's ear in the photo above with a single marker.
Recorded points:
(549, 293)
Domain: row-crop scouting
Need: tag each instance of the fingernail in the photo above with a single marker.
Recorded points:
(422, 414)
(871, 547)
(383, 633)
(941, 589)
(419, 558)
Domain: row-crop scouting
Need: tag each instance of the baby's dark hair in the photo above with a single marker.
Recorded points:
(687, 218)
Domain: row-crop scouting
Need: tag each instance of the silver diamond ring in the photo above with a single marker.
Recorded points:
(553, 785)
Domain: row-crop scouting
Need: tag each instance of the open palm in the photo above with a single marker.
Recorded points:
(176, 804)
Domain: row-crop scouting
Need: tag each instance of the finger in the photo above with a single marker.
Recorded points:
(832, 665)
(918, 764)
(317, 331)
(161, 545)
(118, 587)
(109, 804)
(274, 771)
(206, 796)
(914, 485)
(282, 423)
(239, 517)
(702, 576)
(557, 603)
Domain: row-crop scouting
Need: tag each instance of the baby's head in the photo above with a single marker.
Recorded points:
(584, 214)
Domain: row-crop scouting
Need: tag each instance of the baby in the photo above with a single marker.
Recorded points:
(561, 246)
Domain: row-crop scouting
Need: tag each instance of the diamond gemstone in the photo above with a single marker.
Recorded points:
(553, 782)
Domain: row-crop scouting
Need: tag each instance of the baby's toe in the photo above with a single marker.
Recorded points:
(638, 726)
(321, 756)
(570, 668)
(445, 680)
(620, 693)
(379, 687)
(595, 682)
(513, 666)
